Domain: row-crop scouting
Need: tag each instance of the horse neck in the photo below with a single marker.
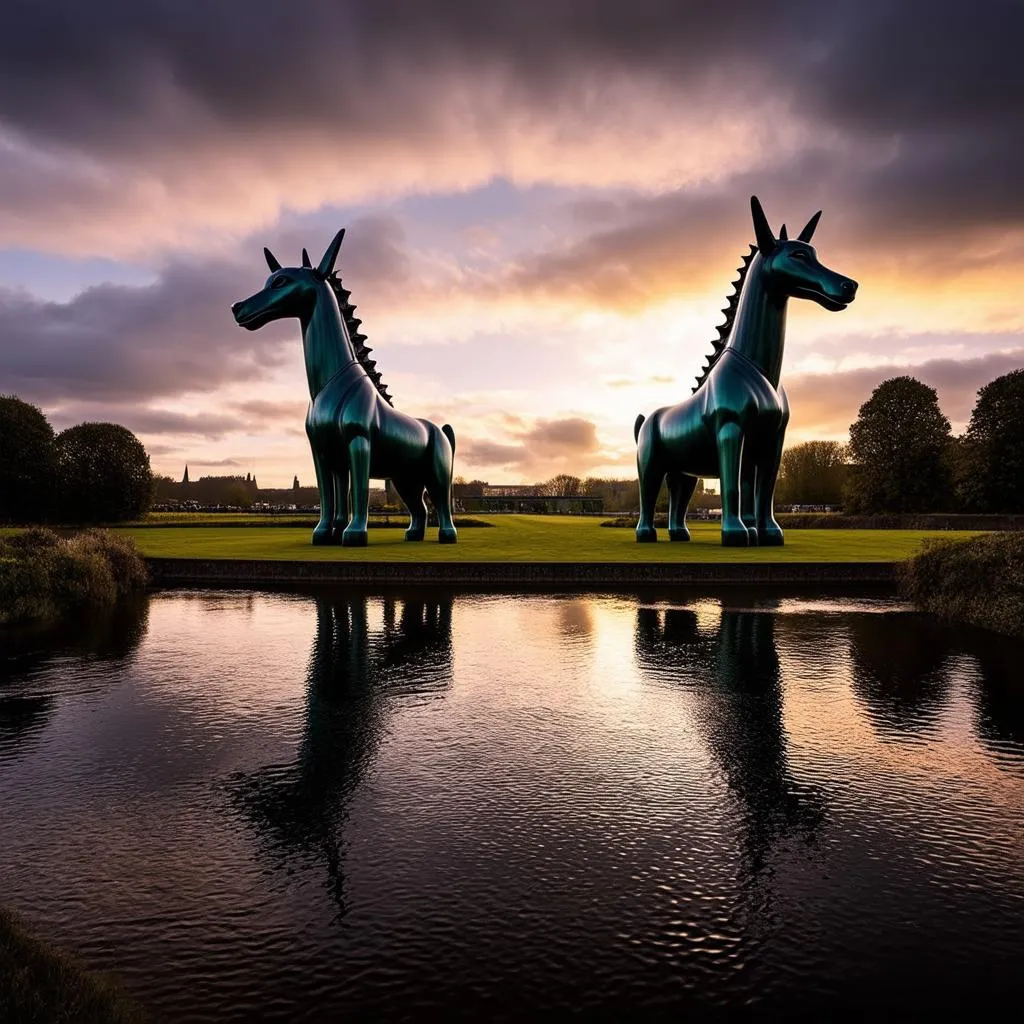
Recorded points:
(325, 341)
(760, 328)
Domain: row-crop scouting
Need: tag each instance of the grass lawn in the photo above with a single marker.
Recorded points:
(526, 538)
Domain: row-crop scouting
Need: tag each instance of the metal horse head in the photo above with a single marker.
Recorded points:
(791, 267)
(289, 291)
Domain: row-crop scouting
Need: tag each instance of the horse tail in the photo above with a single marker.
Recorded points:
(450, 434)
(637, 425)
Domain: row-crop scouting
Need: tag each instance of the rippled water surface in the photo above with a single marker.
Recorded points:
(255, 807)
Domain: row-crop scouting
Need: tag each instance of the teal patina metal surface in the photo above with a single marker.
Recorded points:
(734, 424)
(353, 431)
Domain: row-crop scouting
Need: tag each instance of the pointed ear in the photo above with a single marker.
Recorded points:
(765, 239)
(805, 235)
(271, 260)
(305, 260)
(783, 237)
(327, 263)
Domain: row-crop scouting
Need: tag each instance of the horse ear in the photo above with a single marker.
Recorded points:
(327, 263)
(805, 235)
(765, 239)
(783, 237)
(305, 260)
(271, 260)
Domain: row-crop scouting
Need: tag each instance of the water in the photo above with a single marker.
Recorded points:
(258, 807)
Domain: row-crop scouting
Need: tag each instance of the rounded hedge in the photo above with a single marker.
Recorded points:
(27, 462)
(104, 474)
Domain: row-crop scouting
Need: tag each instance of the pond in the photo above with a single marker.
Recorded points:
(275, 806)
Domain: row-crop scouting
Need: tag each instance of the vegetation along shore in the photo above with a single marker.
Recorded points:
(44, 575)
(978, 581)
(39, 983)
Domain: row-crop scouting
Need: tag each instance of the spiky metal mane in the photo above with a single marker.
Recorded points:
(718, 345)
(352, 323)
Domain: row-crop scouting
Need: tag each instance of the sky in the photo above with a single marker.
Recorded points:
(545, 205)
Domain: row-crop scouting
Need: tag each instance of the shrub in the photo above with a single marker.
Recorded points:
(27, 462)
(43, 575)
(40, 983)
(978, 581)
(105, 475)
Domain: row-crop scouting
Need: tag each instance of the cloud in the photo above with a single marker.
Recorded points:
(824, 405)
(538, 450)
(563, 437)
(122, 343)
(116, 114)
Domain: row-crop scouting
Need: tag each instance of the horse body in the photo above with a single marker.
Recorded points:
(733, 426)
(354, 432)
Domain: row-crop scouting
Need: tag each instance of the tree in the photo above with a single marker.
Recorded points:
(812, 473)
(104, 474)
(27, 462)
(992, 464)
(900, 448)
(562, 486)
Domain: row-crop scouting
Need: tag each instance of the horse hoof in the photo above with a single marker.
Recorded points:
(735, 538)
(322, 535)
(646, 535)
(353, 539)
(771, 538)
(682, 534)
(414, 534)
(752, 536)
(447, 536)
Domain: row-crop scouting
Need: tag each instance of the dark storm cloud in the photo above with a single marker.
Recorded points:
(117, 343)
(940, 84)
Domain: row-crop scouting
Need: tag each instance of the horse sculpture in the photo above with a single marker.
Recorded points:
(353, 431)
(734, 424)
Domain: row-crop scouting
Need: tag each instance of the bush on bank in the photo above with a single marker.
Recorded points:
(44, 575)
(978, 581)
(38, 983)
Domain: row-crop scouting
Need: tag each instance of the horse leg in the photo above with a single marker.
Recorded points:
(340, 487)
(767, 472)
(412, 495)
(680, 491)
(650, 484)
(325, 486)
(439, 486)
(748, 487)
(359, 471)
(729, 438)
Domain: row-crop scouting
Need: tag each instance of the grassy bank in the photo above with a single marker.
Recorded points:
(41, 984)
(44, 575)
(979, 581)
(524, 538)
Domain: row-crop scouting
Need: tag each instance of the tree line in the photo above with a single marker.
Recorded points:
(903, 456)
(90, 473)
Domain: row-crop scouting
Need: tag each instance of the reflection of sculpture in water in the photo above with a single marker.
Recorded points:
(738, 714)
(26, 706)
(352, 684)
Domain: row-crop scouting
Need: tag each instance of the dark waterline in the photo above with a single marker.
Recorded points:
(268, 806)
